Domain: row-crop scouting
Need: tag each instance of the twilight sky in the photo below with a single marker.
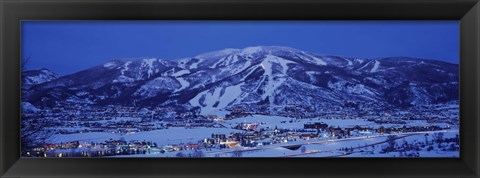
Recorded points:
(69, 46)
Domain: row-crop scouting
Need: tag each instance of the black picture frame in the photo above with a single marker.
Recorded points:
(14, 11)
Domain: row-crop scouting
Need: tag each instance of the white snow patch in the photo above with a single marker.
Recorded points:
(29, 107)
(180, 73)
(311, 75)
(183, 82)
(218, 54)
(211, 97)
(237, 70)
(125, 67)
(149, 63)
(364, 66)
(359, 89)
(251, 50)
(228, 60)
(235, 59)
(231, 93)
(375, 67)
(44, 76)
(316, 60)
(123, 79)
(349, 62)
(251, 71)
(359, 60)
(109, 64)
(273, 83)
(195, 65)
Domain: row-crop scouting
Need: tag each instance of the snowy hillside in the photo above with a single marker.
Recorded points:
(34, 77)
(266, 79)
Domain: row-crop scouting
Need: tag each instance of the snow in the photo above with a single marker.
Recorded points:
(235, 59)
(272, 121)
(423, 154)
(349, 62)
(174, 135)
(284, 63)
(311, 75)
(218, 54)
(359, 89)
(125, 67)
(195, 65)
(123, 79)
(209, 101)
(238, 69)
(88, 137)
(212, 97)
(44, 76)
(375, 67)
(311, 58)
(214, 100)
(338, 86)
(273, 84)
(75, 99)
(180, 73)
(249, 51)
(159, 84)
(316, 60)
(222, 60)
(231, 93)
(29, 107)
(149, 64)
(182, 62)
(316, 147)
(251, 71)
(184, 84)
(368, 63)
(109, 65)
(421, 95)
(376, 80)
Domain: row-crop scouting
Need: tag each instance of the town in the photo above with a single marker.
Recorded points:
(87, 131)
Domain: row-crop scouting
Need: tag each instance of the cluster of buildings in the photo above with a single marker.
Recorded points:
(93, 149)
(115, 119)
(128, 120)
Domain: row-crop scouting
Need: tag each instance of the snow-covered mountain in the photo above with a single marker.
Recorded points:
(262, 78)
(34, 77)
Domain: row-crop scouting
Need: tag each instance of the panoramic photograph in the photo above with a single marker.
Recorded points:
(240, 89)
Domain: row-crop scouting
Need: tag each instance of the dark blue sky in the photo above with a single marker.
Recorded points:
(70, 46)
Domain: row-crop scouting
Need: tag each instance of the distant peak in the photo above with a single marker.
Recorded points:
(44, 70)
(246, 50)
(217, 53)
(272, 48)
(41, 70)
(269, 49)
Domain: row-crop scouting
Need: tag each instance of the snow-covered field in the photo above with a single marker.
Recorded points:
(162, 137)
(316, 147)
(283, 122)
(321, 148)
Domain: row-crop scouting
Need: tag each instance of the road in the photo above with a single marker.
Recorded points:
(399, 136)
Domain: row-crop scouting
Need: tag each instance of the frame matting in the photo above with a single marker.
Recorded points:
(14, 11)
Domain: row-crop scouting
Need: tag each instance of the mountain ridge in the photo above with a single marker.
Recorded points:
(261, 79)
